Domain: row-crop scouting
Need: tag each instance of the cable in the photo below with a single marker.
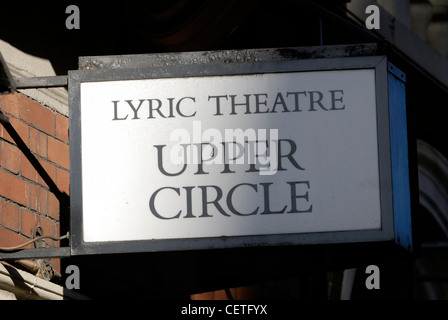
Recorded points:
(34, 240)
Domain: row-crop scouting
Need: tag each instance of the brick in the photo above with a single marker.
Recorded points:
(34, 140)
(14, 188)
(9, 104)
(20, 127)
(10, 216)
(10, 238)
(29, 221)
(36, 114)
(56, 263)
(61, 127)
(63, 180)
(9, 157)
(203, 296)
(50, 169)
(249, 293)
(49, 227)
(222, 294)
(38, 142)
(53, 206)
(38, 199)
(58, 152)
(27, 170)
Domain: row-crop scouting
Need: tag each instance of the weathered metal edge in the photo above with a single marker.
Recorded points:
(41, 82)
(62, 252)
(155, 60)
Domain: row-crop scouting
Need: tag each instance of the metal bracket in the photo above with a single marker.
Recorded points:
(396, 72)
(3, 118)
(41, 82)
(37, 253)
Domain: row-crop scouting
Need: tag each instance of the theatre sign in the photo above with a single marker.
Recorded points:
(220, 155)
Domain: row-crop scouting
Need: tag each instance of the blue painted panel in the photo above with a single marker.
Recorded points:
(399, 158)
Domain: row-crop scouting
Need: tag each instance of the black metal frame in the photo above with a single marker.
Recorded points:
(254, 61)
(208, 64)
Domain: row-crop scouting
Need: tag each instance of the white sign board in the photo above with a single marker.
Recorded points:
(235, 155)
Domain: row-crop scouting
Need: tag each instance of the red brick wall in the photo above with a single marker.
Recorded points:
(25, 199)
